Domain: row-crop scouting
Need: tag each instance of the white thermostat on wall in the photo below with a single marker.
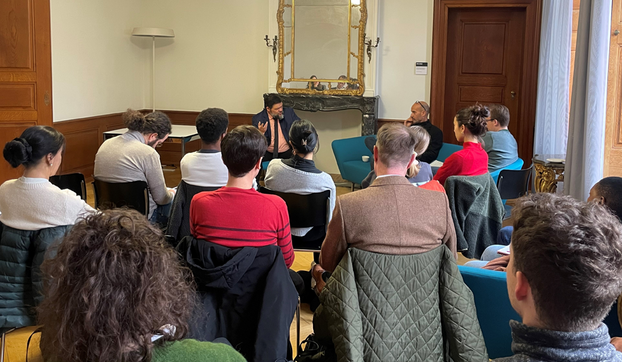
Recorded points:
(421, 67)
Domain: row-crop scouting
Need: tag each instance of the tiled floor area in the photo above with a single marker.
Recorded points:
(302, 262)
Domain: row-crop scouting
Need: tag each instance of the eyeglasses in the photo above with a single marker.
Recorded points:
(425, 107)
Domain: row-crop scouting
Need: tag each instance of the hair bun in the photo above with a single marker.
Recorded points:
(17, 152)
(481, 111)
(134, 120)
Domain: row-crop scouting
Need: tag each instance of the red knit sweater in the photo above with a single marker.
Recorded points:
(235, 218)
(471, 160)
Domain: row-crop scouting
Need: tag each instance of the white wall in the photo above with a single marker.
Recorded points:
(218, 57)
(96, 69)
(405, 31)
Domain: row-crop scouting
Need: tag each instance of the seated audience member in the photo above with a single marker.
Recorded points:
(205, 167)
(419, 173)
(264, 121)
(471, 160)
(379, 218)
(419, 113)
(237, 215)
(33, 214)
(132, 157)
(31, 202)
(298, 174)
(563, 277)
(498, 142)
(315, 85)
(605, 192)
(115, 291)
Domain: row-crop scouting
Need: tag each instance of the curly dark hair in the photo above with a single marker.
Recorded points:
(474, 118)
(571, 254)
(154, 122)
(113, 283)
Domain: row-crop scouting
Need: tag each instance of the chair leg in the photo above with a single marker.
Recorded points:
(298, 328)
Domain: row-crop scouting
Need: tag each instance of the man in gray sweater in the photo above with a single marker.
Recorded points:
(563, 276)
(132, 157)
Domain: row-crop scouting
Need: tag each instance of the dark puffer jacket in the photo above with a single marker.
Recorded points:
(21, 255)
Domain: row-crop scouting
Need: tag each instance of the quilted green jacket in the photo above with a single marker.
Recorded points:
(21, 255)
(401, 308)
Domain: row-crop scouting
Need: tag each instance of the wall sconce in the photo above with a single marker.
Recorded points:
(369, 46)
(274, 47)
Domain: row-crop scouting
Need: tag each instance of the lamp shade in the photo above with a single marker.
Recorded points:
(156, 32)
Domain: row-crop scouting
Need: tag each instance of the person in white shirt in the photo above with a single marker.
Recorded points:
(205, 167)
(31, 202)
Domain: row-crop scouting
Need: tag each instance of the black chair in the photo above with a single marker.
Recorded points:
(179, 221)
(513, 184)
(306, 211)
(131, 194)
(72, 181)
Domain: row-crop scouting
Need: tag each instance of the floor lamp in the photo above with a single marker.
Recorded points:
(153, 33)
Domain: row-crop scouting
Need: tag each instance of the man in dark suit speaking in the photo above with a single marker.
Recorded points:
(264, 121)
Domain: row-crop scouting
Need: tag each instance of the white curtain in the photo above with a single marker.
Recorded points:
(588, 106)
(551, 129)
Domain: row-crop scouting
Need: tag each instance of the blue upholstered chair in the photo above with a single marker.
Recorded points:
(494, 310)
(348, 154)
(516, 165)
(446, 151)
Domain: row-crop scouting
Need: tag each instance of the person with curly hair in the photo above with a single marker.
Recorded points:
(132, 157)
(471, 160)
(115, 291)
(562, 278)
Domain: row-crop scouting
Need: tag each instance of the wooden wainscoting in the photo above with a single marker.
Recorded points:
(85, 135)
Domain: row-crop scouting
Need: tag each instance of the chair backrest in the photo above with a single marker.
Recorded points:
(304, 210)
(494, 310)
(131, 194)
(72, 181)
(513, 184)
(516, 165)
(446, 150)
(179, 220)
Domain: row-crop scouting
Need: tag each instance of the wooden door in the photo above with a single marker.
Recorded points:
(25, 71)
(613, 128)
(486, 51)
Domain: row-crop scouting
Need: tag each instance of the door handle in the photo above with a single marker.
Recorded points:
(513, 94)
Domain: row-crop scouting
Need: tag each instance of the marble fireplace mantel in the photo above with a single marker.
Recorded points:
(327, 103)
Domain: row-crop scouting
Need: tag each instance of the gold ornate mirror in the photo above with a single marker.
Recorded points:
(321, 47)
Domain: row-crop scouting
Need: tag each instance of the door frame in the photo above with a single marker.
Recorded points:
(529, 85)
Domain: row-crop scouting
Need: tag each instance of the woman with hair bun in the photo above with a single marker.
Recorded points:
(298, 174)
(33, 214)
(31, 202)
(471, 160)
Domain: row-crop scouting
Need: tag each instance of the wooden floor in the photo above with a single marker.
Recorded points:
(302, 261)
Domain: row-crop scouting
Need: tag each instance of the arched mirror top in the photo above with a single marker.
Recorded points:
(321, 47)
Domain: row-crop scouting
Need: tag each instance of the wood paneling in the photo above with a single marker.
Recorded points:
(85, 135)
(17, 96)
(16, 38)
(613, 128)
(25, 70)
(486, 51)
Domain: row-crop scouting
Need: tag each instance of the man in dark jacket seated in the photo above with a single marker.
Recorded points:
(563, 276)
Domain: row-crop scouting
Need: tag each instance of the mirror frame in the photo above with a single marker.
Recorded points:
(360, 57)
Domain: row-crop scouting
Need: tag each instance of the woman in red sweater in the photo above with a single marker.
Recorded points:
(471, 160)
